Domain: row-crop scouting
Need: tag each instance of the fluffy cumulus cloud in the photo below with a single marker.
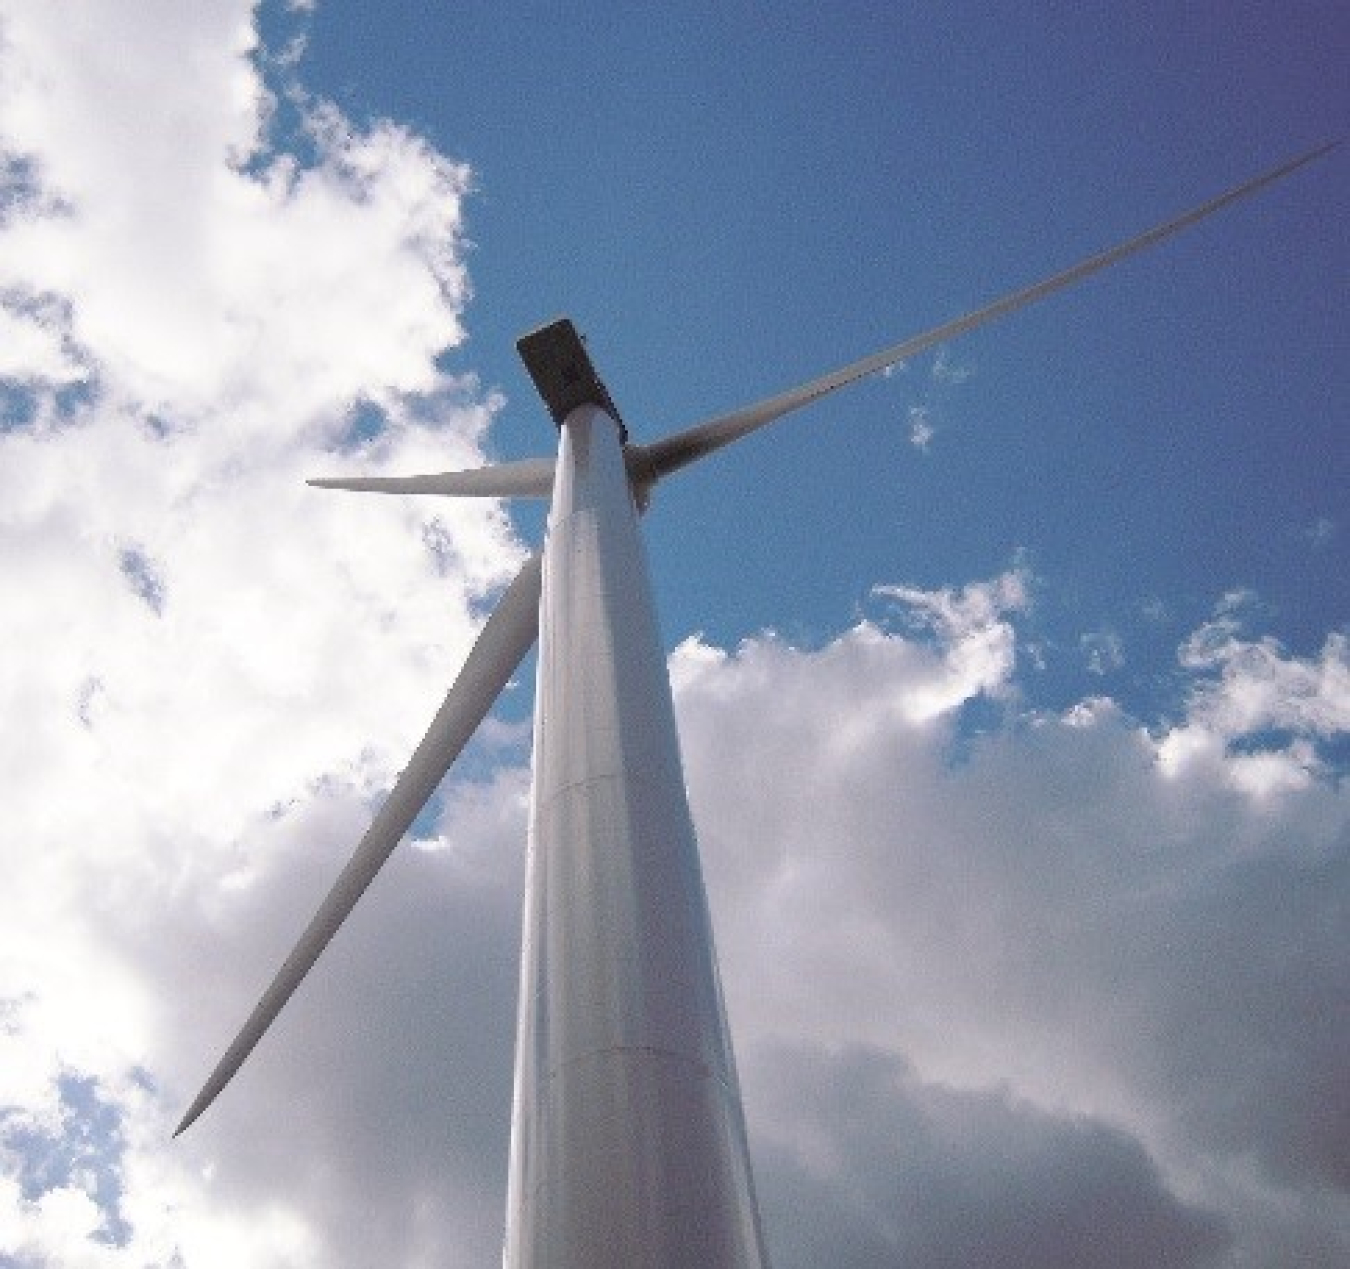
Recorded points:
(1253, 688)
(1008, 987)
(1041, 993)
(211, 286)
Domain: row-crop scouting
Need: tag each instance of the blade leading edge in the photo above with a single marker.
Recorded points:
(648, 463)
(509, 634)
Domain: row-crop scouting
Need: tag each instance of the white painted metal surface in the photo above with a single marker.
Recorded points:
(628, 1146)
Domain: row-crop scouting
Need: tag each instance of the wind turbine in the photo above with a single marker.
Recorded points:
(628, 1141)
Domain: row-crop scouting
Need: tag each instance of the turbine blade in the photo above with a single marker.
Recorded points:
(502, 645)
(528, 478)
(647, 463)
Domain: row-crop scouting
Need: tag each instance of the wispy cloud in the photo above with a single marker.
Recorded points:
(1320, 531)
(932, 395)
(921, 430)
(1103, 651)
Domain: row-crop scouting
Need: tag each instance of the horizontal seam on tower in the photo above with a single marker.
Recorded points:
(631, 772)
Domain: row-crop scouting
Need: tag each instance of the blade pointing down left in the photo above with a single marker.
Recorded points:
(508, 635)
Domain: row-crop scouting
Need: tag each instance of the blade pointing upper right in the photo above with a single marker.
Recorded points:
(509, 634)
(660, 458)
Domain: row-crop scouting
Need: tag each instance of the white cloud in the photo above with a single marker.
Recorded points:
(978, 645)
(943, 378)
(921, 430)
(945, 368)
(1257, 711)
(32, 349)
(186, 620)
(1043, 914)
(199, 271)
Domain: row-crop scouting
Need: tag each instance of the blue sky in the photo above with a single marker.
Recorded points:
(1014, 686)
(729, 198)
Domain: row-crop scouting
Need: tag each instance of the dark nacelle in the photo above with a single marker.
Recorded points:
(556, 357)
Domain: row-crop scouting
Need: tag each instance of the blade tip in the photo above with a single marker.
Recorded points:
(200, 1105)
(187, 1121)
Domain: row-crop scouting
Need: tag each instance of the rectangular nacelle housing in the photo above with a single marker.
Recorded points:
(556, 357)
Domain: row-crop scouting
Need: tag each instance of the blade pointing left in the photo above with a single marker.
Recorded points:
(509, 634)
(527, 478)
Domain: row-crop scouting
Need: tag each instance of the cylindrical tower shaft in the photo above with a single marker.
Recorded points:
(628, 1146)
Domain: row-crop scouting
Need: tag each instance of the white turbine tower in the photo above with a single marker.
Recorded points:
(628, 1143)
